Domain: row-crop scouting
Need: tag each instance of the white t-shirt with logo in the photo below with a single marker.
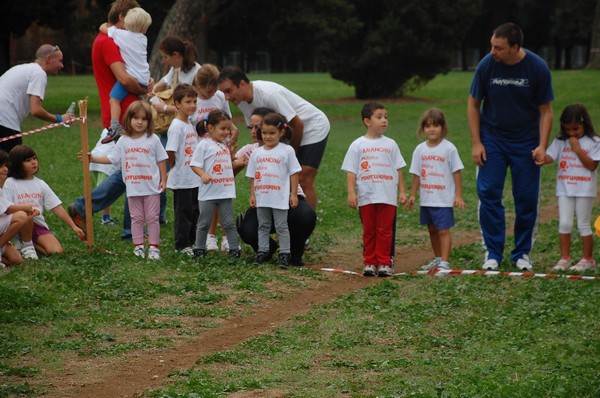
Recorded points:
(139, 158)
(376, 163)
(182, 140)
(206, 106)
(435, 167)
(34, 192)
(214, 159)
(271, 170)
(573, 179)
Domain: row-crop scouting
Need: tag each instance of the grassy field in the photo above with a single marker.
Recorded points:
(406, 336)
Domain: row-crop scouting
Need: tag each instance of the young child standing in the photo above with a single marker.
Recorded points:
(181, 143)
(436, 167)
(373, 166)
(14, 220)
(576, 149)
(273, 171)
(23, 188)
(142, 159)
(133, 44)
(212, 162)
(211, 99)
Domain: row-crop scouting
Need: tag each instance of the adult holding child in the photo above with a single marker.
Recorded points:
(109, 67)
(22, 90)
(310, 125)
(510, 117)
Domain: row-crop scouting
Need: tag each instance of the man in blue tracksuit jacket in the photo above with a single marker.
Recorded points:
(510, 117)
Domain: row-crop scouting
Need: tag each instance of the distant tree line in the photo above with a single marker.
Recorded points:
(381, 47)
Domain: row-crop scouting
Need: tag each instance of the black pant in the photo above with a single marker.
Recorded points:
(301, 223)
(185, 203)
(10, 144)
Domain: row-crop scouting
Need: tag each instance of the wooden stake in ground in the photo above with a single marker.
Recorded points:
(87, 190)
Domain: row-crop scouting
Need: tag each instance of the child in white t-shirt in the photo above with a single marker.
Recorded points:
(373, 166)
(14, 220)
(142, 159)
(273, 171)
(181, 143)
(576, 149)
(25, 189)
(212, 162)
(435, 167)
(133, 44)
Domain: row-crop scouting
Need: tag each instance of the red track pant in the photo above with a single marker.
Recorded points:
(379, 233)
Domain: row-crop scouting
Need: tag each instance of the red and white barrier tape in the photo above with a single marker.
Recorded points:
(46, 127)
(467, 272)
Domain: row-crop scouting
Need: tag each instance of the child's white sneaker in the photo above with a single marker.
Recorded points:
(211, 243)
(153, 253)
(29, 253)
(139, 251)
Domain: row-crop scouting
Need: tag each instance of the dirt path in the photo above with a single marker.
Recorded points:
(129, 375)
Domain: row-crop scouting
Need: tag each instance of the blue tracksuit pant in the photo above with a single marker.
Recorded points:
(525, 174)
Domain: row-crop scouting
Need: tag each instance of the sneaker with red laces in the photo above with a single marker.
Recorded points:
(584, 265)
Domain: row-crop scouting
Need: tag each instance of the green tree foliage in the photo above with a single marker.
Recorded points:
(397, 44)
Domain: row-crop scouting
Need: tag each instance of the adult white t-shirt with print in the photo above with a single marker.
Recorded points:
(35, 193)
(271, 170)
(435, 167)
(274, 96)
(182, 140)
(572, 178)
(376, 163)
(16, 85)
(214, 159)
(139, 159)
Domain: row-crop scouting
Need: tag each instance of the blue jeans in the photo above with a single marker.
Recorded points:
(105, 195)
(525, 189)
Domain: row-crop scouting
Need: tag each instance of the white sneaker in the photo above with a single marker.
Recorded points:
(432, 265)
(444, 265)
(584, 265)
(370, 270)
(211, 243)
(153, 253)
(188, 251)
(524, 263)
(29, 253)
(490, 265)
(139, 251)
(562, 265)
(224, 244)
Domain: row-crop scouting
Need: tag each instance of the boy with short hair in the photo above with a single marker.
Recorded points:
(373, 166)
(181, 143)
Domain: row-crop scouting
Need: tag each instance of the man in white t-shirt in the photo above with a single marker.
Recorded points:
(22, 90)
(309, 124)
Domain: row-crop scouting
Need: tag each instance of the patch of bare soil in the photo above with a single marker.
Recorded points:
(129, 375)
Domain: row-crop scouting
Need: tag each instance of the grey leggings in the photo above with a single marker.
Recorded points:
(206, 210)
(264, 228)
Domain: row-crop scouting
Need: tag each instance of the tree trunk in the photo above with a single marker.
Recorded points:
(595, 47)
(189, 19)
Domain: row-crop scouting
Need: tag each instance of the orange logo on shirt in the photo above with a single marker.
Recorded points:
(423, 173)
(364, 166)
(218, 168)
(188, 151)
(257, 175)
(563, 165)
